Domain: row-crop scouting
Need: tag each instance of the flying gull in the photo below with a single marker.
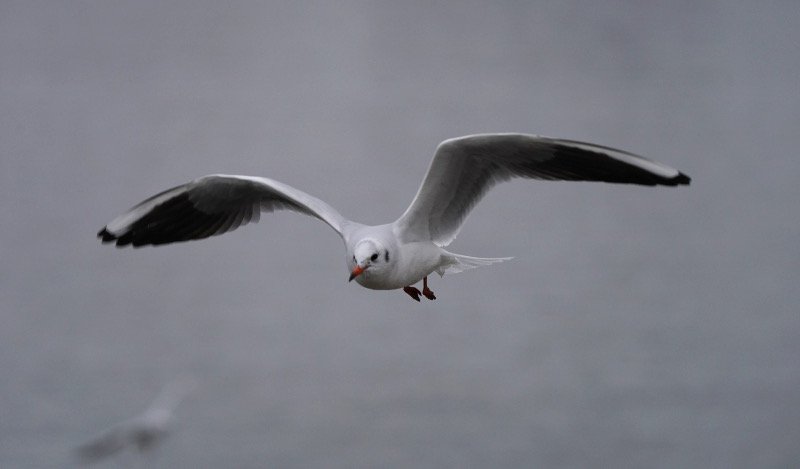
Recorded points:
(398, 254)
(143, 432)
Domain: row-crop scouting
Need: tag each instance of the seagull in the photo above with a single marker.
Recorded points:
(143, 432)
(398, 254)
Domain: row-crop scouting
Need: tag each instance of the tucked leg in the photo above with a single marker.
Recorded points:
(427, 291)
(412, 292)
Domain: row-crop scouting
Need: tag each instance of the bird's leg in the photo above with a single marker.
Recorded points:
(412, 292)
(427, 291)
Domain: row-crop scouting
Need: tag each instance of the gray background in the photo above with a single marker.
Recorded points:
(636, 327)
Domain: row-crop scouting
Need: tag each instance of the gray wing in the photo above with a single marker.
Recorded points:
(465, 168)
(209, 206)
(109, 443)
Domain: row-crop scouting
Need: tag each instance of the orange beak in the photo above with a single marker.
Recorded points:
(356, 272)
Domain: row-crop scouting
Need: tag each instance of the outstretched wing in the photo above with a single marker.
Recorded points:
(109, 443)
(465, 168)
(209, 206)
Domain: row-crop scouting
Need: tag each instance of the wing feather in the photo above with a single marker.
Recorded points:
(210, 206)
(463, 169)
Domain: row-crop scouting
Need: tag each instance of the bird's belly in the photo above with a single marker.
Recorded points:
(412, 267)
(377, 282)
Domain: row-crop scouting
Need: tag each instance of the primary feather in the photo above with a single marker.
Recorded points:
(464, 169)
(210, 206)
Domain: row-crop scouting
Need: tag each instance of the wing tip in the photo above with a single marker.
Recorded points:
(682, 179)
(107, 237)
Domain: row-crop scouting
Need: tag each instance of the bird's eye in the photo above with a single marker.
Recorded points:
(374, 257)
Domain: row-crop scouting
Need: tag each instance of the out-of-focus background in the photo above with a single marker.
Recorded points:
(636, 327)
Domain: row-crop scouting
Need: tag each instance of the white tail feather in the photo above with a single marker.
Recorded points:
(461, 263)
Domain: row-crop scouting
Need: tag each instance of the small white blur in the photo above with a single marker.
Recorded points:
(144, 432)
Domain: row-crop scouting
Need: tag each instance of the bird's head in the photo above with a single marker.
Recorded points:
(368, 254)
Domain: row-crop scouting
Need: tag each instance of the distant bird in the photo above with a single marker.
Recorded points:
(143, 432)
(401, 253)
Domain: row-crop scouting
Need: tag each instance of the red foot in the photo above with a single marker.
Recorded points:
(412, 292)
(427, 291)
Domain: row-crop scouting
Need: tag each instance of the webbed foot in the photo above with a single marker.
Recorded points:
(427, 291)
(412, 292)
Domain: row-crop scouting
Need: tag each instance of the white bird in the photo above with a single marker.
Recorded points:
(143, 432)
(401, 253)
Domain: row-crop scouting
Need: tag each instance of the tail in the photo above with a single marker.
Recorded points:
(459, 263)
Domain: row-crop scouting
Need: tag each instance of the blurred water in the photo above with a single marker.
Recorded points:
(636, 327)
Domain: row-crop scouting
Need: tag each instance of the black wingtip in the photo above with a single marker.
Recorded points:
(682, 179)
(105, 235)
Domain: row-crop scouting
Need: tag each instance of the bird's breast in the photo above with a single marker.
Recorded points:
(411, 264)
